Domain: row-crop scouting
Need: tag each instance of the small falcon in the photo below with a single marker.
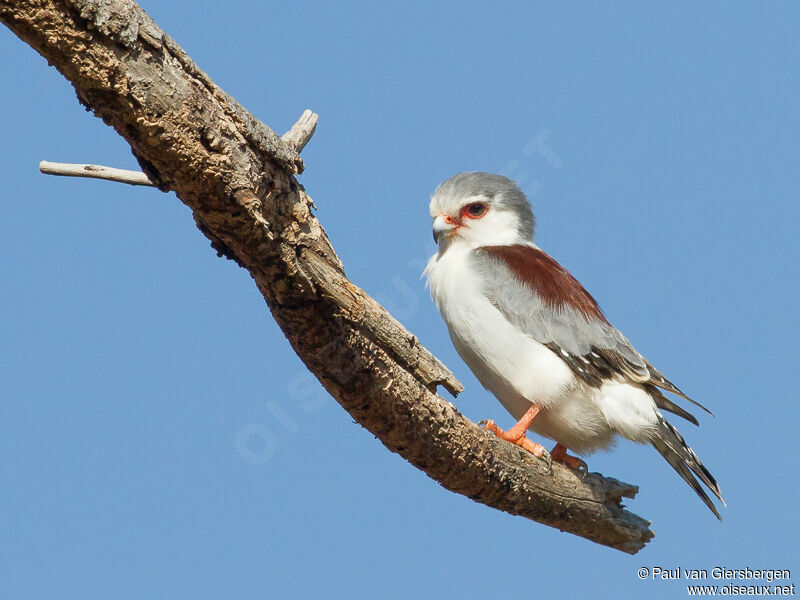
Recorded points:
(536, 339)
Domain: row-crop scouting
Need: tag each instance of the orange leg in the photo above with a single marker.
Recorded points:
(516, 435)
(559, 454)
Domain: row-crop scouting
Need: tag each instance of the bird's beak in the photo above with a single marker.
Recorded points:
(441, 226)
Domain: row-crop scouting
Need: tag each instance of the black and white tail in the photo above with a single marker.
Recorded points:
(672, 447)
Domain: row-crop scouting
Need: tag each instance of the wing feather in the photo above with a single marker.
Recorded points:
(539, 296)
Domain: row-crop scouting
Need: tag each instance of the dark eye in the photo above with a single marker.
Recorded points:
(476, 209)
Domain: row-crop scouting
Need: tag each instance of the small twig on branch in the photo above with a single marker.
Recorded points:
(297, 137)
(301, 132)
(95, 172)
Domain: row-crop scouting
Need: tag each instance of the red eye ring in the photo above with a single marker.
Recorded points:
(475, 210)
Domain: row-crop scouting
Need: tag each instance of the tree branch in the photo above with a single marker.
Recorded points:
(237, 176)
(95, 172)
(300, 133)
(297, 138)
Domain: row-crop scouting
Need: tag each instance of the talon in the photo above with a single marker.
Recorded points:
(516, 435)
(582, 469)
(489, 425)
(559, 454)
(549, 459)
(537, 450)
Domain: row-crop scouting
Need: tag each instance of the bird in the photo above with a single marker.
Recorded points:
(539, 342)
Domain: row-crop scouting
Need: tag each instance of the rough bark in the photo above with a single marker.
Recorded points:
(237, 176)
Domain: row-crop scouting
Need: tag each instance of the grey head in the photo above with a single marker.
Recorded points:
(481, 209)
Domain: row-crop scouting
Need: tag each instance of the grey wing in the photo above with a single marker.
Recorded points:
(590, 344)
(593, 348)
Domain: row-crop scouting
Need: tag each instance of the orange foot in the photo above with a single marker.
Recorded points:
(516, 435)
(559, 454)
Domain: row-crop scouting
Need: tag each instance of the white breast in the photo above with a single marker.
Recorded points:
(514, 367)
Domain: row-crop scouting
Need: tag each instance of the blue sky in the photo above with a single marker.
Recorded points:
(158, 437)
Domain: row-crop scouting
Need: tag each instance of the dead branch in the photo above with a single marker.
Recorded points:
(297, 137)
(237, 176)
(95, 172)
(300, 133)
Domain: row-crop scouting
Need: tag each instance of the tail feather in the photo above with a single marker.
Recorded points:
(665, 403)
(658, 379)
(677, 453)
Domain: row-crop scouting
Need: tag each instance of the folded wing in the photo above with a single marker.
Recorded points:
(544, 300)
